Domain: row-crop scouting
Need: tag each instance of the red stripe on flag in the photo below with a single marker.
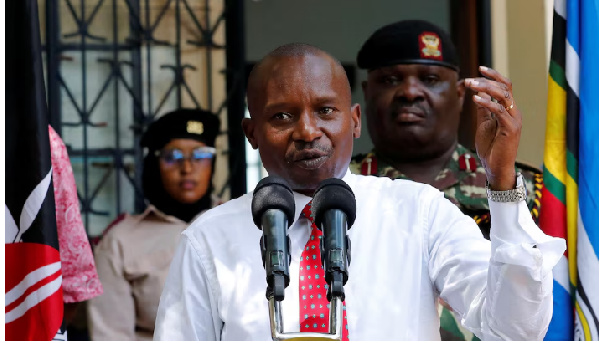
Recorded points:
(23, 258)
(553, 216)
(32, 289)
(41, 322)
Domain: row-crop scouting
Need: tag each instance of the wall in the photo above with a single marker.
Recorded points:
(521, 32)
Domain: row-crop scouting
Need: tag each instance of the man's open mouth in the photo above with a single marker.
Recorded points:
(310, 159)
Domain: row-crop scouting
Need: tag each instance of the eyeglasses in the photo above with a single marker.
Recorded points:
(176, 156)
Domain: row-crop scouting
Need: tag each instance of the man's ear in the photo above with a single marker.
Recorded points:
(460, 90)
(356, 120)
(248, 127)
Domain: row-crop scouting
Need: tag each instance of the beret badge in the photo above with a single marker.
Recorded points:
(430, 46)
(195, 127)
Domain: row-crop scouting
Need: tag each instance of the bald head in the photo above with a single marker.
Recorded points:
(297, 50)
(285, 56)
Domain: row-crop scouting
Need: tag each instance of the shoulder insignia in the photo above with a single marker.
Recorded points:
(466, 162)
(369, 165)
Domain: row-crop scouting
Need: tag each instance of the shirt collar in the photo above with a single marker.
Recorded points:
(152, 210)
(301, 200)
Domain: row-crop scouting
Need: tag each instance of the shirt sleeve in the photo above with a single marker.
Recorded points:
(112, 315)
(188, 305)
(501, 289)
(80, 280)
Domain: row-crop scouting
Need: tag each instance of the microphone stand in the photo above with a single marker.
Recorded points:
(335, 324)
(335, 256)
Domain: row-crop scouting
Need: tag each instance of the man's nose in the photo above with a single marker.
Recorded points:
(411, 89)
(307, 127)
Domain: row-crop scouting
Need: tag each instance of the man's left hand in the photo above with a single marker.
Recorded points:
(498, 127)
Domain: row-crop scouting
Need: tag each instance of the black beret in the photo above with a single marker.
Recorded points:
(408, 42)
(196, 124)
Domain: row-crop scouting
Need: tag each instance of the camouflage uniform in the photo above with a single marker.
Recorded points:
(463, 182)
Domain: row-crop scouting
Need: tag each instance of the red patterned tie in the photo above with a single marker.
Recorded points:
(314, 307)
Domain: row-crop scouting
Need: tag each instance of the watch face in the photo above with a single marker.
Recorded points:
(520, 180)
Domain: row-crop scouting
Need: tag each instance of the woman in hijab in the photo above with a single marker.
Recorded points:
(133, 257)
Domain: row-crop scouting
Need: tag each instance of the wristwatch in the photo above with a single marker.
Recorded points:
(511, 195)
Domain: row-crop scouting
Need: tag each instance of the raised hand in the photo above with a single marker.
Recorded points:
(498, 127)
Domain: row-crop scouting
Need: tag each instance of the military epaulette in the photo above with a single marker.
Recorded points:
(369, 165)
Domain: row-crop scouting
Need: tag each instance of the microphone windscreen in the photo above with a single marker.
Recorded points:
(334, 194)
(272, 193)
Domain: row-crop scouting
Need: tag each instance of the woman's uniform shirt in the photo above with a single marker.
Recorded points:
(132, 261)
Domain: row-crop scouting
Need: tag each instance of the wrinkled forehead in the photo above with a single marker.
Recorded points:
(305, 69)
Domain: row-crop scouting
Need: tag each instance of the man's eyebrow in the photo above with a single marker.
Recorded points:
(328, 98)
(275, 105)
(320, 99)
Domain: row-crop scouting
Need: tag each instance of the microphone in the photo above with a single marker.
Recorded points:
(273, 211)
(334, 208)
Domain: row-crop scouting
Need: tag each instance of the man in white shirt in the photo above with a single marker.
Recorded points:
(410, 246)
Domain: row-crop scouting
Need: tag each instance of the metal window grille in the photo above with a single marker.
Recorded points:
(113, 66)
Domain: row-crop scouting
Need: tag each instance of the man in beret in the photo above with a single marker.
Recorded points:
(414, 97)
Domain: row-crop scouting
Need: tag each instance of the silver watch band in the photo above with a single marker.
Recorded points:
(511, 195)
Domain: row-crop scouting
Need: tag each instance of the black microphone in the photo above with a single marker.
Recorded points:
(334, 209)
(273, 211)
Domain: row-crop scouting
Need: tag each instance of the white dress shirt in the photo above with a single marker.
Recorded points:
(409, 246)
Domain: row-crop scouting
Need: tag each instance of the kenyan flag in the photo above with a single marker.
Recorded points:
(33, 299)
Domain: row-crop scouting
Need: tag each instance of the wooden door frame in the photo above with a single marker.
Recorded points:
(470, 28)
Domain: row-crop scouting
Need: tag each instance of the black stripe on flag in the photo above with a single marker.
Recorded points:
(572, 123)
(559, 37)
(26, 135)
(586, 301)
